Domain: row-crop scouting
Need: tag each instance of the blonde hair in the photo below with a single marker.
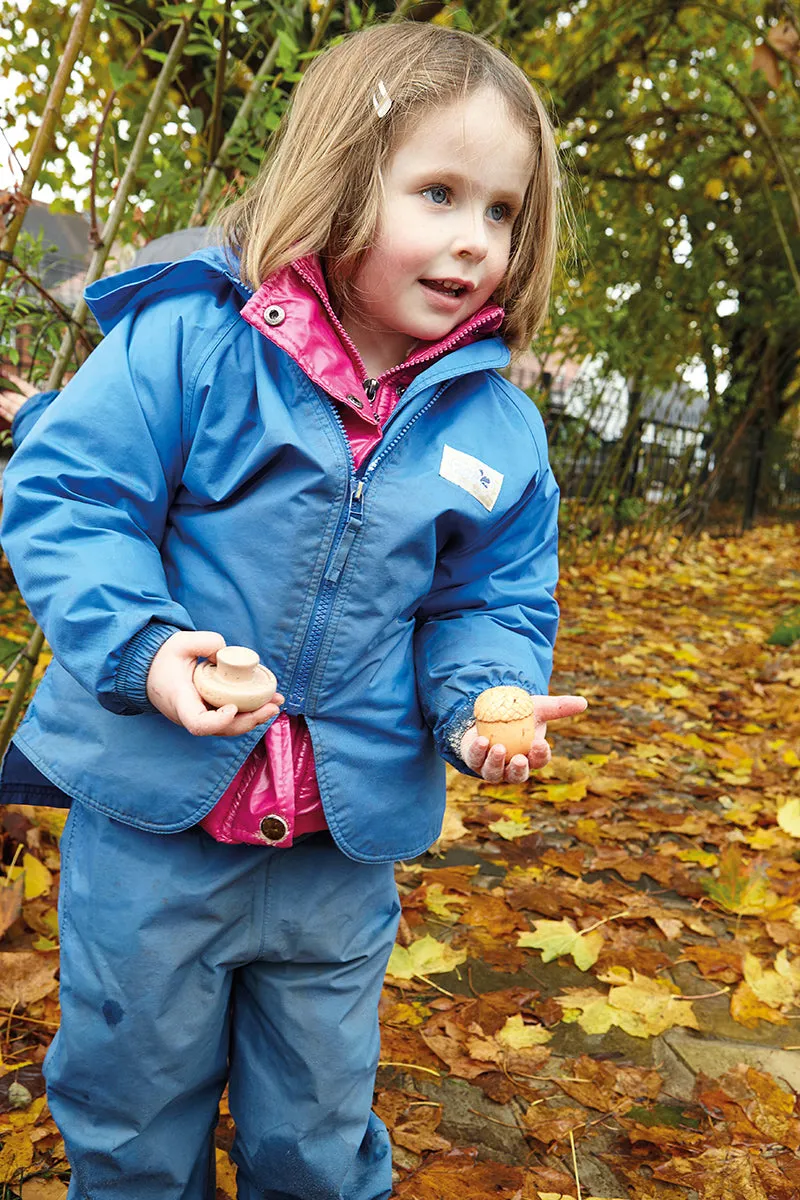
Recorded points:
(320, 188)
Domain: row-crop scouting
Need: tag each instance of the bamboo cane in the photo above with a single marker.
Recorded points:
(98, 260)
(238, 124)
(33, 649)
(44, 134)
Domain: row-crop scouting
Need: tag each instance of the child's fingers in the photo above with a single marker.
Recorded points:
(493, 770)
(539, 755)
(244, 722)
(227, 721)
(196, 643)
(553, 708)
(517, 769)
(473, 750)
(193, 715)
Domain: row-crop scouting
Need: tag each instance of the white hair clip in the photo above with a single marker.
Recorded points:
(381, 99)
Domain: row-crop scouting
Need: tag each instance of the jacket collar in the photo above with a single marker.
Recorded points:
(293, 309)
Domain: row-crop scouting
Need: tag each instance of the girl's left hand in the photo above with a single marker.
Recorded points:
(491, 764)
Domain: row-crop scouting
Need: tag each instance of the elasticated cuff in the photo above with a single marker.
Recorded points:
(137, 657)
(450, 739)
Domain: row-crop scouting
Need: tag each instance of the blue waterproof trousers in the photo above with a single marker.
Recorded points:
(185, 964)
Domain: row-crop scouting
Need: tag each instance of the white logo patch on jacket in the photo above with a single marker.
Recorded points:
(472, 475)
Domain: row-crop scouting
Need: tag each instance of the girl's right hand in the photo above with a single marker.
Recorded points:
(171, 690)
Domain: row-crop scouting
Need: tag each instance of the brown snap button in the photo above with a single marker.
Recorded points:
(274, 315)
(355, 400)
(273, 828)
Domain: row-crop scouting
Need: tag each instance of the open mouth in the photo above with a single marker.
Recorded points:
(445, 287)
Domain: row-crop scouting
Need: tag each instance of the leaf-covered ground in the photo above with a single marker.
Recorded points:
(597, 983)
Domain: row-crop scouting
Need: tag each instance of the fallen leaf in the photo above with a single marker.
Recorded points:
(558, 938)
(16, 1155)
(789, 817)
(26, 976)
(424, 957)
(45, 1189)
(10, 903)
(226, 1173)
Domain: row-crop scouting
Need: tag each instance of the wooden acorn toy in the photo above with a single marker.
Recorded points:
(236, 678)
(505, 715)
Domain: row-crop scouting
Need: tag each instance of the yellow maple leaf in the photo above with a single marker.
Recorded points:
(695, 854)
(589, 1008)
(424, 957)
(515, 825)
(748, 1010)
(518, 1036)
(686, 652)
(765, 839)
(789, 817)
(413, 1014)
(439, 902)
(16, 1156)
(646, 750)
(558, 938)
(646, 1007)
(38, 879)
(25, 1118)
(561, 793)
(776, 988)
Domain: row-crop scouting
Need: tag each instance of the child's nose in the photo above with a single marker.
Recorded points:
(472, 241)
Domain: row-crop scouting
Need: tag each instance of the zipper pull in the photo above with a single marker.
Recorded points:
(371, 389)
(354, 517)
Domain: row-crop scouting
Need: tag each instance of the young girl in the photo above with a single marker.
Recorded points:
(300, 445)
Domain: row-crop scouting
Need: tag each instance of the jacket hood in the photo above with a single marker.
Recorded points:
(109, 299)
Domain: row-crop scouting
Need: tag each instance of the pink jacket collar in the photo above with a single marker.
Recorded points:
(293, 309)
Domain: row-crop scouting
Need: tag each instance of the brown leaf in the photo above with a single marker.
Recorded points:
(716, 962)
(44, 1189)
(411, 1120)
(492, 914)
(11, 894)
(491, 1010)
(405, 1045)
(717, 1100)
(549, 1125)
(447, 1041)
(26, 976)
(717, 1174)
(765, 1103)
(455, 1176)
(667, 1137)
(606, 1085)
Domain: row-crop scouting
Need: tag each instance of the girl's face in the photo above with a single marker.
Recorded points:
(452, 190)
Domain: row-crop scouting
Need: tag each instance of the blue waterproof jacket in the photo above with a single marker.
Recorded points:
(191, 476)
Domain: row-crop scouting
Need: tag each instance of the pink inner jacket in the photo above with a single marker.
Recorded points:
(274, 798)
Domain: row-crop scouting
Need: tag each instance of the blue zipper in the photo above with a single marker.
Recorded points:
(373, 466)
(346, 534)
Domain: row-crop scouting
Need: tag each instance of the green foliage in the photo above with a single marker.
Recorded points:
(681, 165)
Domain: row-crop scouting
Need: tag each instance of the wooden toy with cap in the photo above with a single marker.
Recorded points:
(506, 716)
(237, 678)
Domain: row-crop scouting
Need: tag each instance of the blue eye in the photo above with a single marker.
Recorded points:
(497, 212)
(438, 193)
